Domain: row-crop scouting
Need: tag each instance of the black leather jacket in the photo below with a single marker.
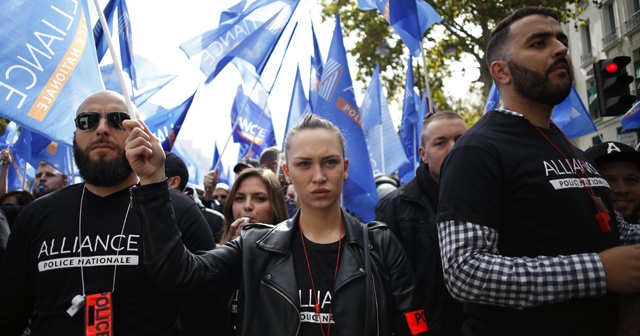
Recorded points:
(260, 263)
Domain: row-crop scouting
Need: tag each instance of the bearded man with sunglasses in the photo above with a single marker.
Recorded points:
(73, 262)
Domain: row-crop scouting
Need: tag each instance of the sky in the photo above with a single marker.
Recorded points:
(160, 26)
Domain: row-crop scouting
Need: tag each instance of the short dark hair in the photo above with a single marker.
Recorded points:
(433, 116)
(496, 47)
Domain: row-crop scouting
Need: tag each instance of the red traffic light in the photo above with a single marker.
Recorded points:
(612, 68)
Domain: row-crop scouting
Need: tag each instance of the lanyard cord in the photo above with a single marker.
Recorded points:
(313, 285)
(602, 215)
(115, 267)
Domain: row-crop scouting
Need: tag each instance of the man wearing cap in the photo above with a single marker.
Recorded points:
(620, 167)
(244, 164)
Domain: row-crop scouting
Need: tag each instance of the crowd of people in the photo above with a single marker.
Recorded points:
(506, 229)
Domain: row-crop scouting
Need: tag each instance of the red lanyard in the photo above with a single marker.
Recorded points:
(602, 216)
(313, 285)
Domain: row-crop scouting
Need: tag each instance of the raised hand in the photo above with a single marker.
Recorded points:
(144, 152)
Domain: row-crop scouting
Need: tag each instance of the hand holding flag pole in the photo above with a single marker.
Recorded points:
(116, 61)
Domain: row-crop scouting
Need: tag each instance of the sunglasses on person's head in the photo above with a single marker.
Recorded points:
(87, 121)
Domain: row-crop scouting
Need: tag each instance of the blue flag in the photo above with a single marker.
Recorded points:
(631, 119)
(258, 46)
(98, 31)
(385, 150)
(10, 135)
(48, 62)
(254, 131)
(164, 123)
(233, 11)
(35, 148)
(223, 171)
(409, 136)
(409, 18)
(370, 108)
(316, 70)
(214, 45)
(571, 116)
(336, 102)
(151, 79)
(493, 99)
(195, 174)
(126, 42)
(299, 105)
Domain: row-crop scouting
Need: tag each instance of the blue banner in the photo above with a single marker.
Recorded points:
(258, 46)
(493, 99)
(409, 18)
(254, 130)
(195, 174)
(315, 69)
(48, 62)
(98, 32)
(409, 136)
(213, 45)
(223, 172)
(571, 116)
(126, 42)
(336, 102)
(233, 11)
(164, 123)
(151, 79)
(631, 119)
(385, 150)
(299, 105)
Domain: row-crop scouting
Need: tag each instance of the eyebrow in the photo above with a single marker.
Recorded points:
(560, 35)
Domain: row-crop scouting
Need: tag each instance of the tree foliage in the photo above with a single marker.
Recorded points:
(464, 31)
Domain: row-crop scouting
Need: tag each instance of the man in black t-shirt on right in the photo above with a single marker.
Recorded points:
(528, 235)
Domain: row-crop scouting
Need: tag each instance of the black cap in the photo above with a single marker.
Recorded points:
(175, 166)
(612, 151)
(245, 163)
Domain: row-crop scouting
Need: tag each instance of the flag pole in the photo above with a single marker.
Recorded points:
(235, 123)
(116, 61)
(426, 79)
(272, 84)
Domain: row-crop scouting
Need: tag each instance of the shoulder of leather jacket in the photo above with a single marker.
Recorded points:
(257, 225)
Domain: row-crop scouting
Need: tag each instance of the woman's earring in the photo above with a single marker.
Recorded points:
(345, 177)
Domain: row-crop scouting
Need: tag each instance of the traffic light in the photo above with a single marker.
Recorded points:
(612, 83)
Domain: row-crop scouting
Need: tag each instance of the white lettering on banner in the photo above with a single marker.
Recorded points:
(108, 260)
(211, 55)
(47, 34)
(577, 183)
(89, 244)
(249, 131)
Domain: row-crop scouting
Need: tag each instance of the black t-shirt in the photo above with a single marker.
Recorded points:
(322, 261)
(504, 174)
(41, 266)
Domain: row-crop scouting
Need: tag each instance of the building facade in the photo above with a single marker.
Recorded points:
(604, 30)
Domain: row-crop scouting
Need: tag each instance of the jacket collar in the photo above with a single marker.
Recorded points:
(279, 238)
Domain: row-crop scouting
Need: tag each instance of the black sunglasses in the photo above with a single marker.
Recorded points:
(87, 121)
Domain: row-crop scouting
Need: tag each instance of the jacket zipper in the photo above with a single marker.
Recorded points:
(288, 300)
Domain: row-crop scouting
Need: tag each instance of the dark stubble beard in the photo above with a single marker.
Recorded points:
(101, 172)
(537, 87)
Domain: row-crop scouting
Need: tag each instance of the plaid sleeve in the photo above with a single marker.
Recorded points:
(474, 271)
(629, 233)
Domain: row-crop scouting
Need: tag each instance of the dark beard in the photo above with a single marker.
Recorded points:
(537, 87)
(102, 172)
